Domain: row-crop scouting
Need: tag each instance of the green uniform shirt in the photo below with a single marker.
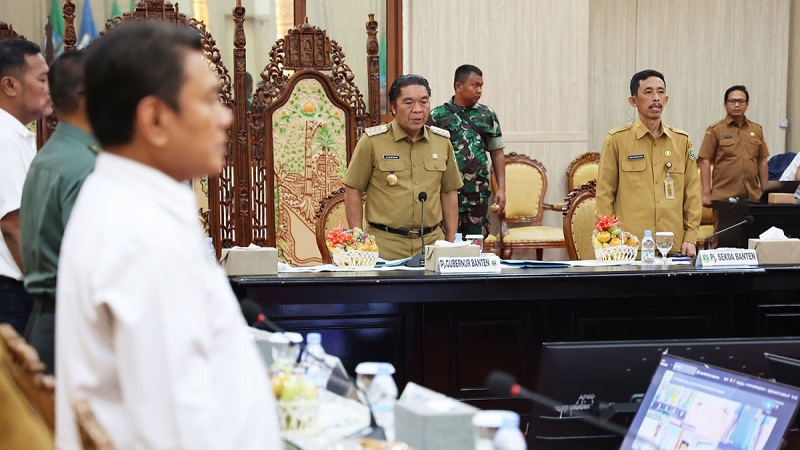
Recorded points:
(427, 165)
(630, 182)
(469, 145)
(51, 187)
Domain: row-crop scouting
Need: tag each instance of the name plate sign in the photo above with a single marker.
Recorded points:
(726, 257)
(468, 264)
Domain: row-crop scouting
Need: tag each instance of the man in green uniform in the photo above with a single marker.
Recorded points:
(736, 147)
(395, 164)
(648, 176)
(474, 133)
(51, 187)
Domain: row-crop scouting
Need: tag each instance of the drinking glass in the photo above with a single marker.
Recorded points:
(664, 240)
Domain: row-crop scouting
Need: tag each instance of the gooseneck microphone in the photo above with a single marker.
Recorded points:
(419, 259)
(503, 384)
(748, 219)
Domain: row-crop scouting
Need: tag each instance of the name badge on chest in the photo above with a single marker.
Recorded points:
(669, 184)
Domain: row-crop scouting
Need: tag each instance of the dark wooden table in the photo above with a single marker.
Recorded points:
(448, 332)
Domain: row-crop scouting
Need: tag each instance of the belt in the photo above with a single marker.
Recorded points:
(406, 233)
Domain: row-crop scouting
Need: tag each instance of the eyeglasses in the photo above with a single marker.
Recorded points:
(735, 101)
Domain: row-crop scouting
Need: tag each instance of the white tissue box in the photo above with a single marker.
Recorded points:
(783, 251)
(434, 252)
(244, 261)
(433, 421)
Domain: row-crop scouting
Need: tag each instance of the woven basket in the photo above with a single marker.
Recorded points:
(616, 253)
(354, 259)
(298, 414)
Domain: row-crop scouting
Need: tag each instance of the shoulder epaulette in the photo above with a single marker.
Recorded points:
(755, 123)
(376, 130)
(677, 130)
(625, 127)
(716, 123)
(439, 131)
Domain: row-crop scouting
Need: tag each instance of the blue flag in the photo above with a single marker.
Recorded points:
(88, 27)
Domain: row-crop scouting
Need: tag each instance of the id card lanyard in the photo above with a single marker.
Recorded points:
(669, 184)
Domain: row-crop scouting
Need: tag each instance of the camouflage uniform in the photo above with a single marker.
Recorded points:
(472, 155)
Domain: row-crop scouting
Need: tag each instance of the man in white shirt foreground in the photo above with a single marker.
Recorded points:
(147, 327)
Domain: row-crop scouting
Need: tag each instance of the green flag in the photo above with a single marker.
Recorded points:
(57, 21)
(133, 5)
(115, 11)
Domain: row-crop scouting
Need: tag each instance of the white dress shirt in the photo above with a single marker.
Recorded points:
(789, 173)
(148, 329)
(17, 149)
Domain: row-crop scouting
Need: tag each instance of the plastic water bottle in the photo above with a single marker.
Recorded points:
(313, 361)
(648, 249)
(382, 395)
(508, 437)
(458, 238)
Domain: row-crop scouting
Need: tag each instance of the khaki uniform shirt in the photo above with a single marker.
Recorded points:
(427, 165)
(631, 176)
(735, 153)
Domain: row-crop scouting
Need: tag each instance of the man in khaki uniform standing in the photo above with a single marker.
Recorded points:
(394, 164)
(736, 147)
(648, 175)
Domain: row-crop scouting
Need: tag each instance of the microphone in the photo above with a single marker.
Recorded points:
(748, 219)
(419, 260)
(339, 381)
(503, 384)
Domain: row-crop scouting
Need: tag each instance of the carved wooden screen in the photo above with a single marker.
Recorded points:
(304, 122)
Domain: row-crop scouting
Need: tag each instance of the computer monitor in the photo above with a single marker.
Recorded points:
(785, 370)
(691, 405)
(588, 376)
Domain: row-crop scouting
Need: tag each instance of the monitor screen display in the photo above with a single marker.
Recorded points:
(690, 405)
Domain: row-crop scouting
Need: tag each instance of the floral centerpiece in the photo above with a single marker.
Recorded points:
(611, 242)
(352, 247)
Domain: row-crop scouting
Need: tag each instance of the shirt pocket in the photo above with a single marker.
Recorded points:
(728, 148)
(391, 165)
(754, 147)
(633, 173)
(434, 170)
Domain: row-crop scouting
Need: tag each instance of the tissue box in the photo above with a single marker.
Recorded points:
(778, 197)
(776, 251)
(434, 252)
(434, 422)
(241, 261)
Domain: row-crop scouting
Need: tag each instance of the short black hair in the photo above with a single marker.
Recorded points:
(463, 72)
(130, 62)
(738, 87)
(638, 77)
(406, 80)
(66, 78)
(12, 55)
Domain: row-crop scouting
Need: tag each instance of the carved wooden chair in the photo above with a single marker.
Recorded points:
(330, 215)
(521, 222)
(579, 220)
(7, 31)
(21, 425)
(93, 435)
(304, 121)
(580, 171)
(28, 372)
(708, 223)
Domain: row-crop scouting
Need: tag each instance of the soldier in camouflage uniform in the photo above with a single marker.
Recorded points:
(476, 136)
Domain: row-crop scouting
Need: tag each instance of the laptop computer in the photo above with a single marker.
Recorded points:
(693, 406)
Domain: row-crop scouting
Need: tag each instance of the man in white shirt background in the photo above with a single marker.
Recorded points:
(148, 329)
(24, 98)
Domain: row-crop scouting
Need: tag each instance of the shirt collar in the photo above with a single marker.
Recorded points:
(642, 130)
(465, 108)
(173, 196)
(399, 134)
(73, 132)
(11, 122)
(730, 121)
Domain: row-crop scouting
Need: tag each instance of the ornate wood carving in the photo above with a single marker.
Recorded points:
(306, 51)
(373, 71)
(584, 158)
(70, 34)
(7, 31)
